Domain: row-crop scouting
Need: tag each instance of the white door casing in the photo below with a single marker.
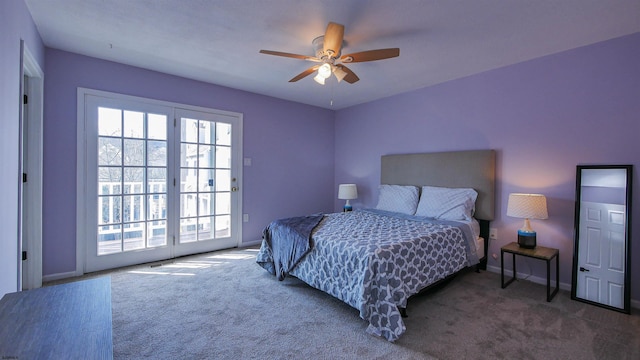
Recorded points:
(30, 233)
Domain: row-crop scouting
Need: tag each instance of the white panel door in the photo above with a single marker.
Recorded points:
(601, 258)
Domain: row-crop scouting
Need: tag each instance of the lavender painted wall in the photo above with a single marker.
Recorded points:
(543, 116)
(291, 146)
(15, 25)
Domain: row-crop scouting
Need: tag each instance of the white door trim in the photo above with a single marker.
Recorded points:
(31, 228)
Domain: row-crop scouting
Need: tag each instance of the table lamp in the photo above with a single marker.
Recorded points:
(527, 206)
(347, 192)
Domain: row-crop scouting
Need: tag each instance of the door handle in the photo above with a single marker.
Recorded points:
(583, 269)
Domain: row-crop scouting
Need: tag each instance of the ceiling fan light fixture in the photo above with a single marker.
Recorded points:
(324, 70)
(339, 73)
(319, 79)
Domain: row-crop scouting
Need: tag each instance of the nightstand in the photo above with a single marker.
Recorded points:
(539, 252)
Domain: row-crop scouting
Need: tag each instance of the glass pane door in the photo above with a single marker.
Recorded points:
(207, 181)
(132, 180)
(127, 178)
(156, 181)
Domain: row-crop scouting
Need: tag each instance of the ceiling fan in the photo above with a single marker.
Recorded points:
(327, 55)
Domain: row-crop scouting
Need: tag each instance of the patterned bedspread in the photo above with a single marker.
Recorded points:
(374, 261)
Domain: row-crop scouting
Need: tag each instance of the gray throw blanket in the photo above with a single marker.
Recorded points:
(289, 241)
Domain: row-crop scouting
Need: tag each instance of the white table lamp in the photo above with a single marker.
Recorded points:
(527, 206)
(347, 192)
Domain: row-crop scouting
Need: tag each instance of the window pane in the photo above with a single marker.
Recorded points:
(104, 209)
(127, 205)
(109, 179)
(188, 181)
(223, 157)
(157, 178)
(157, 153)
(207, 132)
(134, 236)
(205, 227)
(188, 155)
(189, 130)
(223, 180)
(188, 230)
(188, 205)
(109, 240)
(205, 201)
(109, 122)
(133, 152)
(157, 207)
(109, 209)
(157, 233)
(133, 180)
(133, 124)
(157, 126)
(132, 208)
(206, 181)
(223, 226)
(223, 134)
(109, 151)
(207, 156)
(223, 203)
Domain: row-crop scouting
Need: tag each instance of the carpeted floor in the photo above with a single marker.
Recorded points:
(222, 305)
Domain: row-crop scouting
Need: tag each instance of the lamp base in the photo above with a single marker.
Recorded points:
(347, 208)
(527, 240)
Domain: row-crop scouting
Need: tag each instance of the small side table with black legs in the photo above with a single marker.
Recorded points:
(539, 252)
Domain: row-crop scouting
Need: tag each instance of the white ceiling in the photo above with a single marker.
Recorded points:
(217, 41)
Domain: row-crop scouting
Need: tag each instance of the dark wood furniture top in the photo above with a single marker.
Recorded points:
(68, 321)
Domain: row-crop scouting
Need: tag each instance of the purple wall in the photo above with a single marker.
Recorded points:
(15, 25)
(291, 146)
(543, 117)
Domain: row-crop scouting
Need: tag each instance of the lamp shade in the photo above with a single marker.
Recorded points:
(347, 192)
(527, 206)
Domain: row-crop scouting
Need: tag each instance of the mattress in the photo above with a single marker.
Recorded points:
(480, 247)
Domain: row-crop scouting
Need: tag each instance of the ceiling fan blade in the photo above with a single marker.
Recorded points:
(305, 73)
(351, 77)
(370, 55)
(289, 55)
(333, 38)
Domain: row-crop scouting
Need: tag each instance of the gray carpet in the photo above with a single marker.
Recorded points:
(223, 306)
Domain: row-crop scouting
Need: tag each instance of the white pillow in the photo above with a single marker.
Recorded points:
(398, 198)
(447, 203)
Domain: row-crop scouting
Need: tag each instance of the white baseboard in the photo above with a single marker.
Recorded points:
(543, 281)
(534, 279)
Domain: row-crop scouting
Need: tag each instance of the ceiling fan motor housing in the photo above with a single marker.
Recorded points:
(318, 48)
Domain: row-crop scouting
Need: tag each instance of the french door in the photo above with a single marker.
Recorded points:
(158, 180)
(208, 181)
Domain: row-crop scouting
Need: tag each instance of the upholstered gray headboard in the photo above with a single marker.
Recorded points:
(471, 169)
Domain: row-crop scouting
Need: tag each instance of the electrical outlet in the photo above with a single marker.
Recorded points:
(245, 217)
(494, 256)
(493, 234)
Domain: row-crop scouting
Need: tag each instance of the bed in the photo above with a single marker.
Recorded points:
(430, 222)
